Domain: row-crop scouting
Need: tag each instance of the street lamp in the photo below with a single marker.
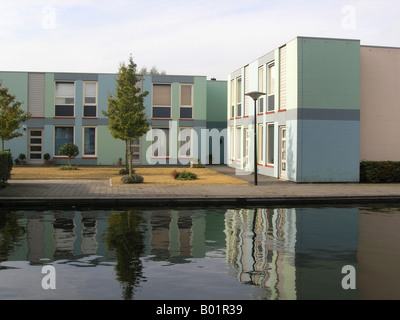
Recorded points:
(255, 95)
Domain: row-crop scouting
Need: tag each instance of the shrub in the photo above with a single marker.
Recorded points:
(380, 171)
(70, 150)
(46, 156)
(186, 176)
(21, 157)
(134, 179)
(175, 174)
(6, 165)
(68, 167)
(124, 171)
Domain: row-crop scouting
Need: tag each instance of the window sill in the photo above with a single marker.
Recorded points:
(59, 117)
(270, 112)
(269, 166)
(161, 118)
(185, 119)
(282, 110)
(89, 157)
(89, 118)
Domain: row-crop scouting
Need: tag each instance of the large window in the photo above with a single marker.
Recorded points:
(62, 135)
(162, 101)
(90, 99)
(270, 143)
(260, 139)
(239, 97)
(65, 99)
(185, 142)
(232, 111)
(89, 141)
(161, 142)
(271, 87)
(186, 110)
(261, 89)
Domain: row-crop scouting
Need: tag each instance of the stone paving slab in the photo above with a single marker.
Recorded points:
(270, 191)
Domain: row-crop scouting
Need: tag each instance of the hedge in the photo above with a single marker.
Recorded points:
(380, 171)
(6, 165)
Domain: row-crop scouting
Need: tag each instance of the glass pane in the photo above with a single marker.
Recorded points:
(36, 141)
(64, 111)
(90, 141)
(65, 89)
(186, 113)
(63, 135)
(36, 148)
(159, 112)
(90, 100)
(36, 156)
(90, 90)
(162, 94)
(36, 133)
(186, 95)
(89, 111)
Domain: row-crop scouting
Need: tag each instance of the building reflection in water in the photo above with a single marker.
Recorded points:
(295, 253)
(261, 246)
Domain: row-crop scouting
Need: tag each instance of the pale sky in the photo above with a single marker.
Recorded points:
(193, 37)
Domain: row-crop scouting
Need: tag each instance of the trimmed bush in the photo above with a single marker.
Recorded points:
(380, 172)
(124, 171)
(68, 167)
(134, 179)
(186, 176)
(6, 165)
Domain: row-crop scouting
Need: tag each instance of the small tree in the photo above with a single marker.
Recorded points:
(126, 109)
(70, 150)
(11, 116)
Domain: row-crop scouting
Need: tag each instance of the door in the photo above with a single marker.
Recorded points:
(283, 154)
(35, 146)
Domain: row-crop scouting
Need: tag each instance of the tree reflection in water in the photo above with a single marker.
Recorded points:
(126, 238)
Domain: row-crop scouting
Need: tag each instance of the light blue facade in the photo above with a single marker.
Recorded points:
(308, 121)
(68, 107)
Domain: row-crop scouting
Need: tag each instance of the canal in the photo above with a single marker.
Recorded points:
(300, 253)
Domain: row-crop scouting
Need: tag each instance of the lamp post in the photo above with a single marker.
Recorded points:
(255, 95)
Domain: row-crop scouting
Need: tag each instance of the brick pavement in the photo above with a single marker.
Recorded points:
(270, 191)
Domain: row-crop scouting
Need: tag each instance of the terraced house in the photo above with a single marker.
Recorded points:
(328, 104)
(67, 107)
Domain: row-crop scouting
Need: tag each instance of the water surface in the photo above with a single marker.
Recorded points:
(210, 254)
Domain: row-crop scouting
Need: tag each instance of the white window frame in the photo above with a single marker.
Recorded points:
(84, 103)
(270, 149)
(271, 86)
(239, 98)
(64, 104)
(54, 141)
(191, 102)
(160, 106)
(95, 142)
(261, 83)
(260, 143)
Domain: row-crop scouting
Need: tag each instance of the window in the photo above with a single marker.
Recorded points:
(162, 101)
(260, 144)
(238, 141)
(261, 89)
(89, 141)
(270, 143)
(185, 142)
(239, 97)
(232, 144)
(160, 142)
(232, 99)
(62, 135)
(186, 111)
(65, 99)
(90, 99)
(271, 87)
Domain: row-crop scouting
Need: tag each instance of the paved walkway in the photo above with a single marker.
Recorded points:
(269, 191)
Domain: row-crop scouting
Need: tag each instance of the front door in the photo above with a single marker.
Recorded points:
(283, 154)
(35, 146)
